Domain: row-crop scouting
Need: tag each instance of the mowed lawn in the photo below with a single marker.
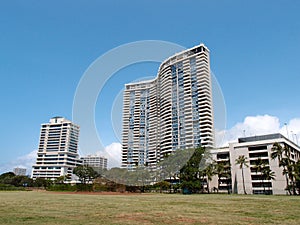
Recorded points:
(55, 208)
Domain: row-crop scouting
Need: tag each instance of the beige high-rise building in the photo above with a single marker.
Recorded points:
(172, 111)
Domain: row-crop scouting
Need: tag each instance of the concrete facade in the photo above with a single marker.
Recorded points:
(19, 171)
(254, 148)
(94, 161)
(173, 111)
(58, 149)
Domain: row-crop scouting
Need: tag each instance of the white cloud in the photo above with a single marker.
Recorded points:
(113, 153)
(259, 125)
(25, 161)
(292, 129)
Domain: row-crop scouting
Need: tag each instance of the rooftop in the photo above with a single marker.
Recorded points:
(260, 138)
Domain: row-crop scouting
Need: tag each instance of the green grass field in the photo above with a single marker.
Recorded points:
(55, 208)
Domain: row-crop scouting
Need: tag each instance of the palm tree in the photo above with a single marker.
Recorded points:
(268, 174)
(290, 167)
(259, 167)
(209, 172)
(227, 174)
(290, 170)
(242, 161)
(220, 170)
(297, 175)
(277, 152)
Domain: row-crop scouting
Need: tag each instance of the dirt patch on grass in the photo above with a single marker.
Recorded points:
(93, 193)
(146, 218)
(137, 218)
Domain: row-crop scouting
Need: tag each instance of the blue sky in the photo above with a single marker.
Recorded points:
(45, 47)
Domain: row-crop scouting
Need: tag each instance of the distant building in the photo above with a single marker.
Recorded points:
(19, 171)
(95, 161)
(254, 148)
(57, 153)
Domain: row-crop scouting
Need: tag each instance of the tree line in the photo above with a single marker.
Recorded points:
(186, 171)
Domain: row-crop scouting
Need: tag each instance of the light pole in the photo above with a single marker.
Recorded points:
(296, 138)
(287, 131)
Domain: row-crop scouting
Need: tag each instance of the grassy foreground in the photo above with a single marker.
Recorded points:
(55, 208)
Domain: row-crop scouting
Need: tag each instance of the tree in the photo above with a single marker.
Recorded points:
(162, 185)
(6, 178)
(242, 161)
(297, 175)
(117, 175)
(62, 179)
(223, 171)
(209, 172)
(20, 181)
(42, 182)
(191, 172)
(260, 166)
(17, 181)
(174, 162)
(85, 173)
(220, 169)
(278, 152)
(290, 170)
(140, 177)
(268, 174)
(171, 165)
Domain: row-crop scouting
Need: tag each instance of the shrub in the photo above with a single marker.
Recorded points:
(8, 187)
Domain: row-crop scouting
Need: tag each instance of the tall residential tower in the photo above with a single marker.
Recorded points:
(173, 111)
(57, 153)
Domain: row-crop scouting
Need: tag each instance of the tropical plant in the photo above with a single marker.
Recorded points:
(6, 178)
(162, 185)
(242, 162)
(62, 179)
(42, 182)
(222, 169)
(291, 174)
(10, 178)
(24, 181)
(172, 163)
(297, 175)
(277, 151)
(85, 173)
(282, 154)
(268, 174)
(260, 166)
(209, 172)
(191, 173)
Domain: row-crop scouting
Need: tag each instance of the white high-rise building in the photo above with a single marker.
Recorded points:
(57, 153)
(173, 111)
